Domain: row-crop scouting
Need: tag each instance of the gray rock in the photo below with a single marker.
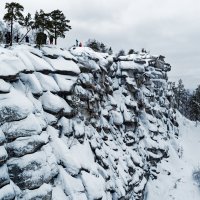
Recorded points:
(42, 193)
(3, 155)
(2, 137)
(7, 192)
(26, 145)
(30, 171)
(4, 176)
(13, 107)
(26, 127)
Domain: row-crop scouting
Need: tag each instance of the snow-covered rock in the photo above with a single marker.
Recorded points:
(25, 127)
(31, 81)
(47, 83)
(80, 124)
(15, 110)
(54, 104)
(63, 66)
(33, 170)
(4, 86)
(10, 66)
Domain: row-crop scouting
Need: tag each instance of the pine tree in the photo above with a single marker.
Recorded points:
(28, 23)
(103, 48)
(93, 44)
(185, 103)
(183, 98)
(98, 46)
(179, 93)
(13, 14)
(110, 51)
(42, 21)
(120, 53)
(59, 24)
(196, 101)
(194, 108)
(42, 24)
(188, 104)
(131, 51)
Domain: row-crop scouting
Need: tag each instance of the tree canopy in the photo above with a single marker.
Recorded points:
(14, 13)
(98, 46)
(188, 103)
(54, 24)
(42, 20)
(58, 24)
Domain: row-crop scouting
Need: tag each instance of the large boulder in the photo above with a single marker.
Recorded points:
(22, 128)
(14, 106)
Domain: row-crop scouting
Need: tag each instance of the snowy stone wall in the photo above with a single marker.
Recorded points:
(81, 125)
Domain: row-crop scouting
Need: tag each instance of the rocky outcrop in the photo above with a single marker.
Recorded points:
(81, 125)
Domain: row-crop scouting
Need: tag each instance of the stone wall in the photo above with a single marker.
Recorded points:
(81, 125)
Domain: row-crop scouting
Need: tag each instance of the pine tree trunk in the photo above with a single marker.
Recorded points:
(24, 36)
(55, 36)
(11, 32)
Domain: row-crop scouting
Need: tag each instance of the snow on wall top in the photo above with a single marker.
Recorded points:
(26, 58)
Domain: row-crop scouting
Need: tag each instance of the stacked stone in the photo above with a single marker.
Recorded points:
(27, 166)
(130, 135)
(6, 189)
(83, 125)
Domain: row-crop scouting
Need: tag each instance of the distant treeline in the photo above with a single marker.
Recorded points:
(186, 102)
(103, 48)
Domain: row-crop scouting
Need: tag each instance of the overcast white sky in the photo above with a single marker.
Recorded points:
(169, 27)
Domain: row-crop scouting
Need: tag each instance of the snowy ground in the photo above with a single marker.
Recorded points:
(184, 159)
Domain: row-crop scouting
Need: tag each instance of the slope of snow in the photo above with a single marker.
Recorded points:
(175, 180)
